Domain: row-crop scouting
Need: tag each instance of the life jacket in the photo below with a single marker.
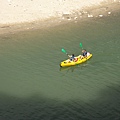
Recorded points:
(72, 58)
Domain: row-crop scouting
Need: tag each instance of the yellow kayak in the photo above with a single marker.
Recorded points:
(77, 61)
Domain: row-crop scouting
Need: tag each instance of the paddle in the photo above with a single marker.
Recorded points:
(64, 51)
(81, 45)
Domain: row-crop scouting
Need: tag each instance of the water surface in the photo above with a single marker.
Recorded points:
(33, 86)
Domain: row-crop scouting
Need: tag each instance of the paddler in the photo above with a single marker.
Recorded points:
(72, 57)
(85, 53)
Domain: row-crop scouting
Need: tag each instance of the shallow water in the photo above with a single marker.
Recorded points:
(33, 86)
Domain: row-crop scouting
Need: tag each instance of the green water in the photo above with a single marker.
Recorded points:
(34, 87)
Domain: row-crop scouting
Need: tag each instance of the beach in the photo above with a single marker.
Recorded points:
(16, 15)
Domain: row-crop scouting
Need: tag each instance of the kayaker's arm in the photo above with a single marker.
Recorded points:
(69, 56)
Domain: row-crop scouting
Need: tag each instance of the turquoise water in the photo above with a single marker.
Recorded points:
(34, 87)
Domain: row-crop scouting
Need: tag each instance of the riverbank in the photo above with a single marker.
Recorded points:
(101, 9)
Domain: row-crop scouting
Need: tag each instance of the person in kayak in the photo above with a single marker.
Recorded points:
(84, 54)
(72, 57)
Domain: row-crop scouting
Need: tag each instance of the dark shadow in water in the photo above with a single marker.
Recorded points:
(105, 107)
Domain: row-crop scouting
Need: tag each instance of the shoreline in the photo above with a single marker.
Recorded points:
(96, 11)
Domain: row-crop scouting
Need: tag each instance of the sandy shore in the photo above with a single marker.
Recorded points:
(16, 11)
(19, 14)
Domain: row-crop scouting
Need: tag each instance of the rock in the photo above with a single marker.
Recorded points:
(100, 15)
(109, 13)
(75, 18)
(90, 15)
